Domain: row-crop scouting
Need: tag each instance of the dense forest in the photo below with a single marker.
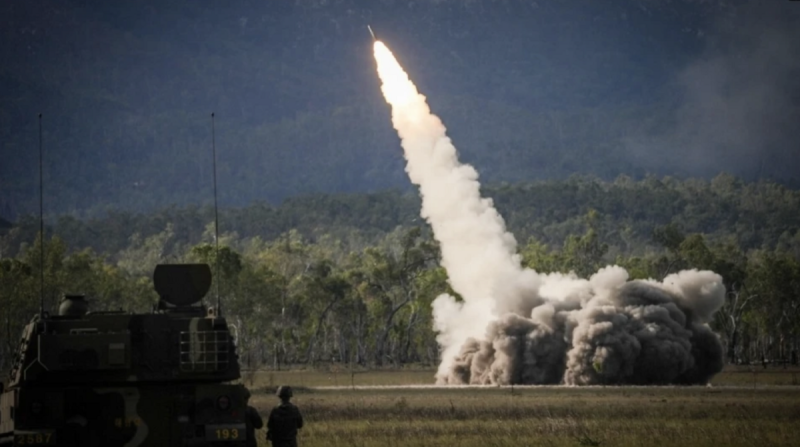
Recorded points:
(529, 90)
(350, 278)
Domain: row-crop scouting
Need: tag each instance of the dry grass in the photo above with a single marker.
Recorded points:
(758, 376)
(550, 416)
(338, 378)
(342, 377)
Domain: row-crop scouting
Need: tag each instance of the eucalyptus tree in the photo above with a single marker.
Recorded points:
(775, 277)
(390, 275)
(323, 288)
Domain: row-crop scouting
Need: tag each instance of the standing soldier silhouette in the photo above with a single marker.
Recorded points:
(254, 422)
(284, 421)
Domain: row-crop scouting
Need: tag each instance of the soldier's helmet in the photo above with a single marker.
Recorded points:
(284, 392)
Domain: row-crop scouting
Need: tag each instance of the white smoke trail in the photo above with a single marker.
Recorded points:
(477, 251)
(517, 326)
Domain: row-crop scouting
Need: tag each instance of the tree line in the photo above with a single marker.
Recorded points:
(350, 279)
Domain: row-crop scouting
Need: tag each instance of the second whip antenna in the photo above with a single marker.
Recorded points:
(216, 215)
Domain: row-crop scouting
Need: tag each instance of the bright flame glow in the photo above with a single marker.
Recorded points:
(397, 88)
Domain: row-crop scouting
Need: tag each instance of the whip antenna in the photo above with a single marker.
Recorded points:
(41, 225)
(216, 214)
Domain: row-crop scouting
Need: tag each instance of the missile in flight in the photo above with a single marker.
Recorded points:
(372, 33)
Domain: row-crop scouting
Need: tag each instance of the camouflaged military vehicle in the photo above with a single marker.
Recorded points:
(112, 378)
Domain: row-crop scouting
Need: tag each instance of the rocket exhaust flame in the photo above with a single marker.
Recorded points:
(515, 325)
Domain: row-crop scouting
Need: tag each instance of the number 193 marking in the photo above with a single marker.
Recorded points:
(227, 433)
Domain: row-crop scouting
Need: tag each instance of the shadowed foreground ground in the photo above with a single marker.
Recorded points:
(553, 416)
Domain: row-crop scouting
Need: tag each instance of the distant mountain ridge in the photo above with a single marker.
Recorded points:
(754, 215)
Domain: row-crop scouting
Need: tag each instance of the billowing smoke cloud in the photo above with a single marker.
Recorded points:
(515, 325)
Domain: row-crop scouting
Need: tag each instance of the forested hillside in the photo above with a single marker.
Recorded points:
(529, 91)
(350, 278)
(755, 214)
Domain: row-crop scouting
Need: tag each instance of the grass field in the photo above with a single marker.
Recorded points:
(731, 413)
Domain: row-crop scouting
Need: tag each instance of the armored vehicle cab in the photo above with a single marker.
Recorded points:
(112, 378)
